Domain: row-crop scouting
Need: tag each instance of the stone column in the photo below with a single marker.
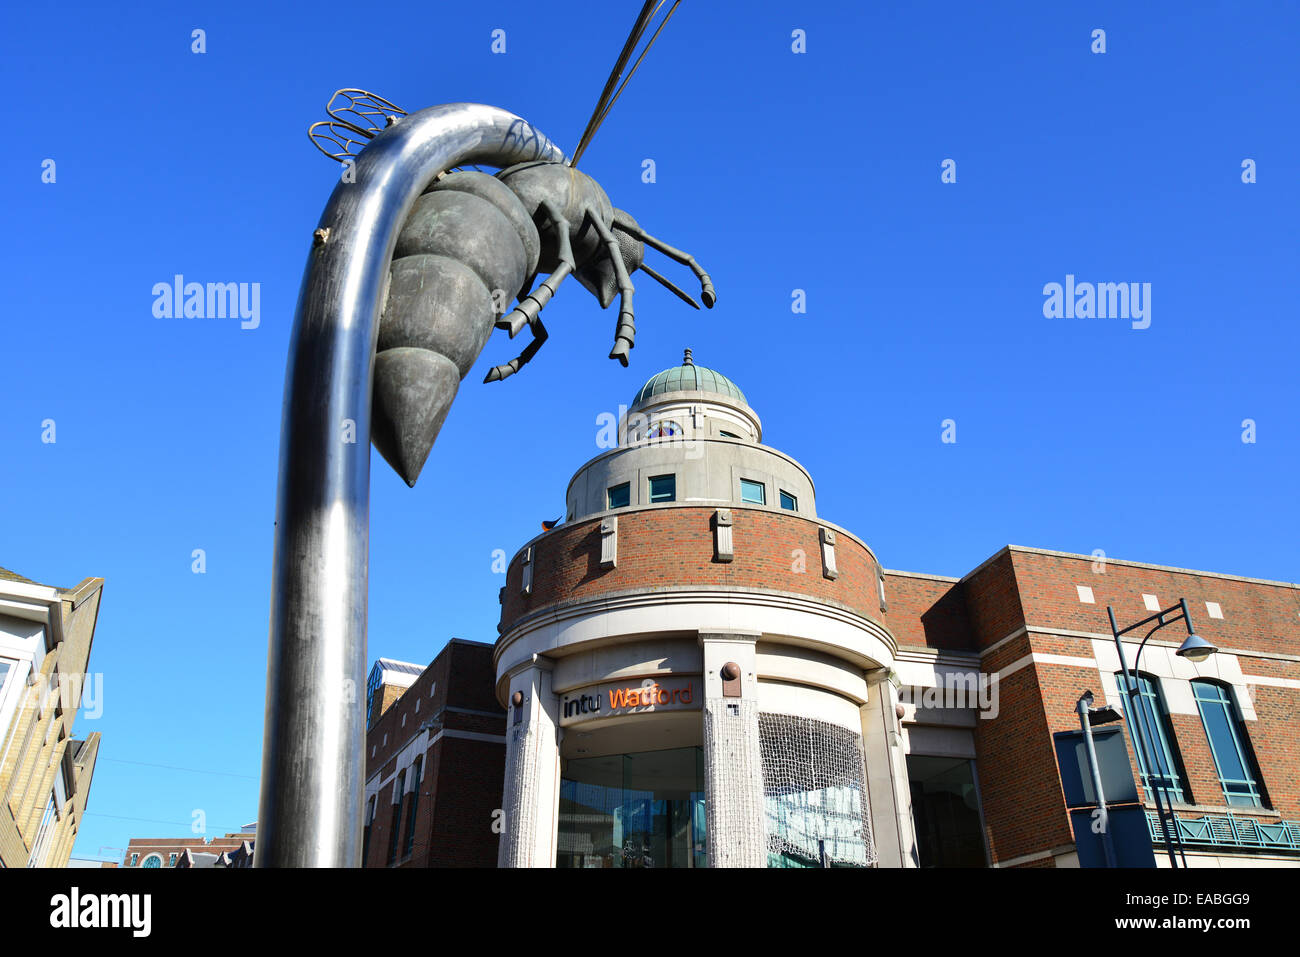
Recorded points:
(532, 787)
(888, 790)
(733, 761)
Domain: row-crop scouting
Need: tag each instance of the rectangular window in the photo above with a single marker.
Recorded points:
(755, 493)
(619, 496)
(171, 860)
(663, 488)
(789, 502)
(1233, 760)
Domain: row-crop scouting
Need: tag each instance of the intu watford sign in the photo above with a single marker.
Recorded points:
(616, 698)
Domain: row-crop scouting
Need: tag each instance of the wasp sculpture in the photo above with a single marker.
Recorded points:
(472, 244)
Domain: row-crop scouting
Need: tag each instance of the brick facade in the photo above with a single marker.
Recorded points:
(172, 848)
(450, 719)
(1025, 602)
(672, 547)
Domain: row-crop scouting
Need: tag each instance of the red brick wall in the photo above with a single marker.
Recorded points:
(1024, 808)
(673, 547)
(930, 613)
(993, 600)
(471, 777)
(1256, 615)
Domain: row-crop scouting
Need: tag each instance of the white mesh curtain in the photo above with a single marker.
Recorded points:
(815, 793)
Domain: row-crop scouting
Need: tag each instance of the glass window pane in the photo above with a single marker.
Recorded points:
(663, 488)
(753, 492)
(1157, 747)
(788, 501)
(1219, 729)
(620, 495)
(1238, 774)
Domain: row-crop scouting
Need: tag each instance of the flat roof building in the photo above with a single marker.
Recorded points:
(434, 753)
(216, 851)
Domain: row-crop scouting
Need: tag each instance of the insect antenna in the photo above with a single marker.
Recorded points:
(609, 95)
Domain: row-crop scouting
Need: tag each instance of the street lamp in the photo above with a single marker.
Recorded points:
(1088, 716)
(1195, 649)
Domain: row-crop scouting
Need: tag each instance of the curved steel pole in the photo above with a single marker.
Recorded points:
(313, 762)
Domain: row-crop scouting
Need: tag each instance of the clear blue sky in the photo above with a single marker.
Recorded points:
(780, 171)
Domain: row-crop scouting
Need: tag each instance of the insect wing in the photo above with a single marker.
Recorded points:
(336, 140)
(366, 113)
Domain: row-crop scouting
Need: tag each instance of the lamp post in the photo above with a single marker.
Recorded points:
(1103, 715)
(1195, 649)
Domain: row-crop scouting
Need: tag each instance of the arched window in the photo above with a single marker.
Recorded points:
(399, 789)
(1234, 759)
(415, 803)
(1156, 733)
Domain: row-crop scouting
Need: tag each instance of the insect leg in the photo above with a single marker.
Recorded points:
(497, 373)
(526, 312)
(625, 332)
(706, 284)
(669, 286)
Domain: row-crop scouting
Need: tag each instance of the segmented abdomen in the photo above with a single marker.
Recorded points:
(467, 248)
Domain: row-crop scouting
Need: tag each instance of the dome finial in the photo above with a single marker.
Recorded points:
(687, 360)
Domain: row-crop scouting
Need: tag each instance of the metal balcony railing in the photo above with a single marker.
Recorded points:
(1235, 833)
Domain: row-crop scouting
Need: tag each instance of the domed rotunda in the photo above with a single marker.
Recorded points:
(695, 665)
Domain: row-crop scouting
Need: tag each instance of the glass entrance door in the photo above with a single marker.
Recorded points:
(644, 809)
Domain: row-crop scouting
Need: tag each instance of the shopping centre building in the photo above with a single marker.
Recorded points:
(698, 669)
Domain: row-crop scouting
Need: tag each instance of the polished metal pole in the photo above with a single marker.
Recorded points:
(1103, 812)
(313, 762)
